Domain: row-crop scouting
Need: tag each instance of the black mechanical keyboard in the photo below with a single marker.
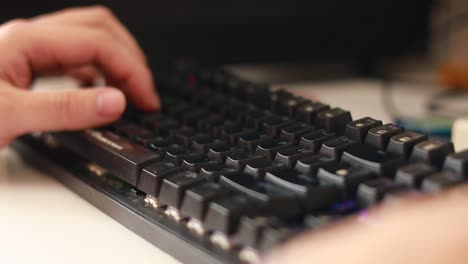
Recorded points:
(229, 169)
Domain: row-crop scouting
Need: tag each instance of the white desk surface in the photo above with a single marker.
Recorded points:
(41, 221)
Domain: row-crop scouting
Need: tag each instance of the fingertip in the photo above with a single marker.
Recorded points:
(110, 102)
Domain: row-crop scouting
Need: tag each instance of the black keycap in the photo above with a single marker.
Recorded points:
(224, 212)
(221, 152)
(258, 168)
(161, 145)
(177, 110)
(232, 136)
(403, 144)
(270, 148)
(274, 125)
(357, 130)
(161, 126)
(238, 161)
(152, 176)
(192, 118)
(121, 157)
(345, 177)
(432, 151)
(131, 130)
(458, 163)
(372, 159)
(212, 173)
(202, 143)
(183, 136)
(174, 186)
(294, 133)
(254, 118)
(251, 141)
(334, 120)
(373, 191)
(178, 154)
(196, 163)
(412, 175)
(440, 181)
(290, 156)
(277, 97)
(335, 147)
(207, 124)
(275, 201)
(309, 166)
(313, 196)
(315, 139)
(308, 112)
(197, 197)
(261, 232)
(288, 107)
(380, 136)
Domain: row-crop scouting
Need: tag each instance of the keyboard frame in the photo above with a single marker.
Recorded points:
(127, 209)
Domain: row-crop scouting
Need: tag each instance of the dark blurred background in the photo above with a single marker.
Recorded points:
(260, 31)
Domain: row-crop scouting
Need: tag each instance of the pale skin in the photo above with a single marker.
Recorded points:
(79, 41)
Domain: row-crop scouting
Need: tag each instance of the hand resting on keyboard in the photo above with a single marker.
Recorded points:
(75, 41)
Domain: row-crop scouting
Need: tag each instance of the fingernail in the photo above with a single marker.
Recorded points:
(110, 102)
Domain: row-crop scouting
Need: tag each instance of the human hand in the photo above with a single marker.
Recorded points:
(75, 41)
(421, 229)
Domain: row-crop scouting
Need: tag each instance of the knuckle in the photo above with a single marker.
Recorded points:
(103, 12)
(14, 27)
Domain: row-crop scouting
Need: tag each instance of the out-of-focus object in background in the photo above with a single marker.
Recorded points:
(459, 134)
(449, 43)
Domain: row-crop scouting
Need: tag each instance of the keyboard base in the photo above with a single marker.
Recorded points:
(121, 204)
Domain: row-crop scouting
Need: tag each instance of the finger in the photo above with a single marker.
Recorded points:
(96, 16)
(59, 110)
(431, 230)
(53, 47)
(85, 74)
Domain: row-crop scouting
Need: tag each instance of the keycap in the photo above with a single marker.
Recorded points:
(252, 140)
(335, 147)
(357, 130)
(289, 106)
(277, 97)
(152, 176)
(177, 155)
(310, 165)
(344, 176)
(313, 196)
(412, 175)
(162, 125)
(224, 213)
(191, 118)
(316, 221)
(288, 157)
(197, 197)
(131, 130)
(206, 124)
(308, 112)
(458, 163)
(275, 201)
(221, 152)
(432, 151)
(212, 173)
(403, 144)
(334, 120)
(440, 181)
(379, 137)
(238, 161)
(162, 145)
(254, 232)
(274, 125)
(183, 136)
(270, 148)
(373, 191)
(196, 163)
(121, 157)
(314, 140)
(259, 168)
(232, 136)
(372, 159)
(173, 187)
(202, 143)
(293, 133)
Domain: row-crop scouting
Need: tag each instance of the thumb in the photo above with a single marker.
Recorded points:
(63, 110)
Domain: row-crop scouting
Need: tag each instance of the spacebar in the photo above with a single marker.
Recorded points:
(119, 156)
